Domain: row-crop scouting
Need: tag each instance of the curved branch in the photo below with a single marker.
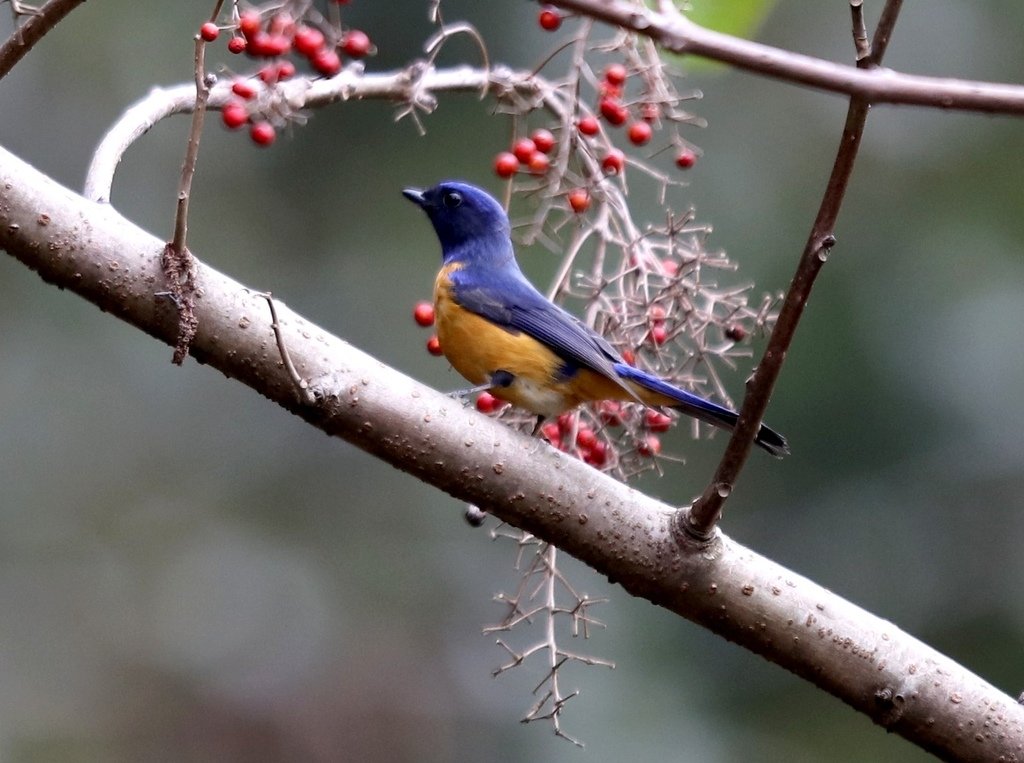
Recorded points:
(899, 682)
(414, 86)
(678, 34)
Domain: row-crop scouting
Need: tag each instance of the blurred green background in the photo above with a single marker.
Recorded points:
(188, 573)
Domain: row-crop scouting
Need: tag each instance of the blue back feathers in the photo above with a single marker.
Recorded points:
(475, 237)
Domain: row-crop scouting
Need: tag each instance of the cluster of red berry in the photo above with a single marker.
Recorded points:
(272, 37)
(531, 152)
(616, 113)
(588, 445)
(423, 314)
(571, 434)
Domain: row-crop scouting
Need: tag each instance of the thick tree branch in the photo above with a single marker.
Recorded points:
(899, 682)
(676, 33)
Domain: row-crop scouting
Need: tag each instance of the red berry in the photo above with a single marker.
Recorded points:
(613, 161)
(268, 74)
(279, 44)
(657, 314)
(236, 45)
(423, 314)
(262, 133)
(487, 403)
(434, 345)
(243, 88)
(550, 19)
(326, 62)
(579, 200)
(671, 268)
(285, 69)
(551, 433)
(234, 114)
(539, 163)
(597, 455)
(249, 23)
(639, 133)
(610, 412)
(566, 422)
(649, 446)
(586, 438)
(357, 44)
(657, 421)
(268, 45)
(629, 357)
(613, 111)
(209, 31)
(615, 74)
(524, 149)
(543, 140)
(308, 40)
(282, 23)
(736, 332)
(659, 334)
(506, 164)
(686, 159)
(588, 125)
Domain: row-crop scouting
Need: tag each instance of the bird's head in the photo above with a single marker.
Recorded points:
(461, 214)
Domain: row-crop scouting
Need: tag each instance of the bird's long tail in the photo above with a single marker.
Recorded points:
(698, 407)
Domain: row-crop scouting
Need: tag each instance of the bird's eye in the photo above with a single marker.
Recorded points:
(452, 199)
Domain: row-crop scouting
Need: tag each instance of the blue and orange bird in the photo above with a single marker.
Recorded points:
(502, 334)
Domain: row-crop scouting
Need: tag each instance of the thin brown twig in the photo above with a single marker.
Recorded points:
(32, 31)
(301, 385)
(860, 30)
(697, 523)
(177, 260)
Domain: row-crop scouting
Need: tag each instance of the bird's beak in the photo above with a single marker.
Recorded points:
(415, 195)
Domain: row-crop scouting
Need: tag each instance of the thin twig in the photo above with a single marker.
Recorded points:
(698, 522)
(32, 31)
(301, 385)
(178, 266)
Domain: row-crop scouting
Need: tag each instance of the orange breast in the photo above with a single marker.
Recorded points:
(477, 348)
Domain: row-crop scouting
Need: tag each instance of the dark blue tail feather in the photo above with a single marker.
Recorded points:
(699, 408)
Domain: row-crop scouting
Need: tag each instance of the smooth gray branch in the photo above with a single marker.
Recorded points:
(414, 86)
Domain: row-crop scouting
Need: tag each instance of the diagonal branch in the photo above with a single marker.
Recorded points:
(899, 682)
(32, 31)
(698, 522)
(678, 34)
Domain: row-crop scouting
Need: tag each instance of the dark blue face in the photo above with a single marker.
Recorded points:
(460, 213)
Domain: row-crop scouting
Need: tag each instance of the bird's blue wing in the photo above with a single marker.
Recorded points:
(506, 298)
